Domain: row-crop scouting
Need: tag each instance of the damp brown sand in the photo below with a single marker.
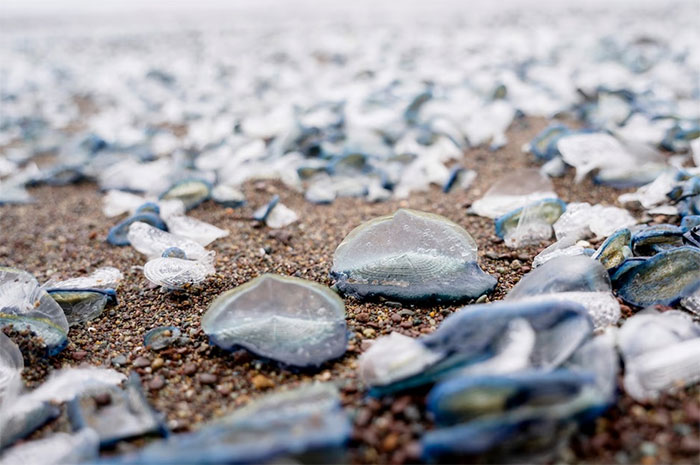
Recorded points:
(63, 235)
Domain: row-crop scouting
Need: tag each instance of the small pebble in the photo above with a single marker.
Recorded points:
(156, 383)
(141, 362)
(262, 382)
(207, 378)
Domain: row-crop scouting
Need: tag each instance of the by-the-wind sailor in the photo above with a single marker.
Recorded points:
(512, 191)
(615, 249)
(649, 240)
(102, 278)
(56, 449)
(176, 273)
(563, 274)
(126, 414)
(410, 256)
(583, 221)
(308, 419)
(544, 145)
(661, 279)
(161, 337)
(227, 196)
(275, 214)
(54, 338)
(567, 247)
(665, 358)
(199, 231)
(530, 224)
(21, 295)
(191, 192)
(81, 305)
(291, 320)
(511, 416)
(475, 336)
(118, 235)
(11, 365)
(153, 242)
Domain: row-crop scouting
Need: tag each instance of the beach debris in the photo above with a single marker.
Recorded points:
(152, 242)
(199, 231)
(410, 256)
(81, 305)
(538, 334)
(290, 320)
(513, 191)
(191, 192)
(662, 279)
(161, 337)
(114, 413)
(305, 420)
(23, 300)
(667, 358)
(55, 449)
(530, 224)
(582, 220)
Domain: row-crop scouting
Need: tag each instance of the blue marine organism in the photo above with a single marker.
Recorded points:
(118, 234)
(148, 207)
(290, 320)
(650, 240)
(615, 250)
(305, 420)
(174, 252)
(689, 222)
(662, 279)
(53, 337)
(191, 192)
(161, 337)
(81, 305)
(544, 145)
(692, 236)
(546, 211)
(410, 256)
(459, 177)
(127, 414)
(263, 212)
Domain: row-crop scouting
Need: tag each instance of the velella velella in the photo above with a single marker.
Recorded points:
(583, 221)
(199, 231)
(124, 414)
(661, 279)
(55, 449)
(302, 420)
(54, 338)
(567, 247)
(118, 235)
(102, 278)
(227, 196)
(161, 337)
(649, 240)
(530, 224)
(665, 359)
(542, 333)
(21, 296)
(524, 414)
(544, 145)
(174, 252)
(191, 192)
(563, 274)
(81, 305)
(153, 242)
(275, 214)
(513, 191)
(11, 365)
(615, 249)
(410, 256)
(290, 320)
(176, 273)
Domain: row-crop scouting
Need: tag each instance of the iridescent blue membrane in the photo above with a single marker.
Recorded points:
(662, 279)
(191, 192)
(650, 240)
(81, 305)
(118, 234)
(53, 337)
